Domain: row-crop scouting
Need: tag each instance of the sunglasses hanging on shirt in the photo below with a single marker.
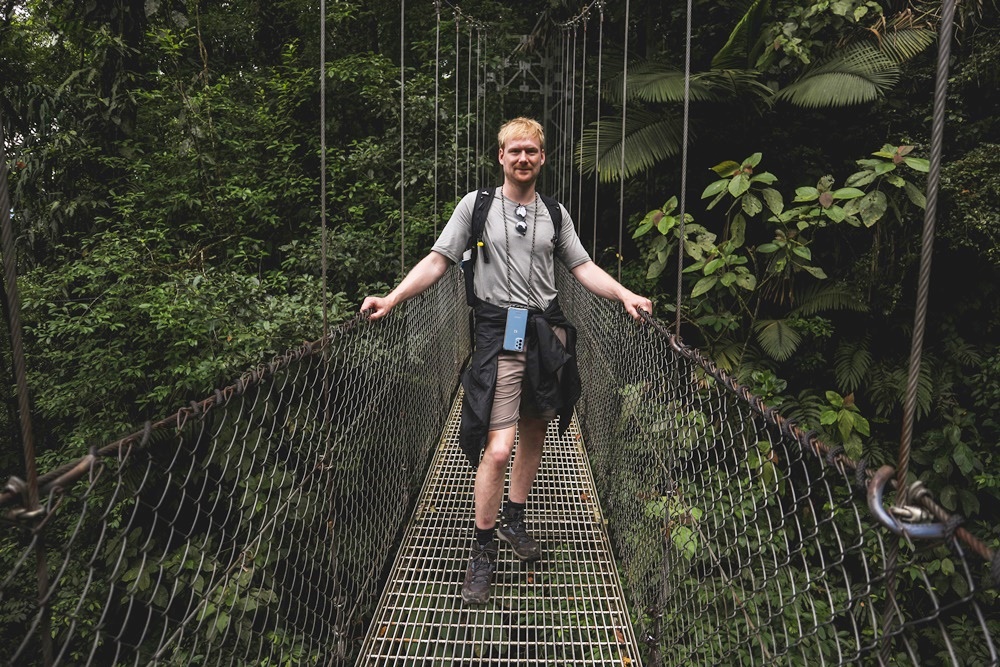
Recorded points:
(521, 226)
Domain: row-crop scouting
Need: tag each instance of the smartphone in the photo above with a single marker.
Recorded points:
(517, 324)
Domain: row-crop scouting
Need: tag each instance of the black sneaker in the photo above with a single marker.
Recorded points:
(479, 574)
(511, 530)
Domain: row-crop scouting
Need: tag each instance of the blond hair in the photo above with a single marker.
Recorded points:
(521, 127)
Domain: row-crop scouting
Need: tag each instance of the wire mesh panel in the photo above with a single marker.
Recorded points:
(566, 609)
(742, 541)
(253, 527)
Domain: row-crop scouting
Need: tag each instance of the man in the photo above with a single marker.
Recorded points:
(507, 390)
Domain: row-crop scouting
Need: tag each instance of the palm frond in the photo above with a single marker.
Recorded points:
(649, 138)
(819, 298)
(654, 81)
(851, 363)
(778, 340)
(860, 73)
(906, 43)
(741, 48)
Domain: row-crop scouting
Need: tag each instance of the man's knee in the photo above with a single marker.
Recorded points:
(498, 449)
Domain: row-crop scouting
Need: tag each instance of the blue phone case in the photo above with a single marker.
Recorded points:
(517, 323)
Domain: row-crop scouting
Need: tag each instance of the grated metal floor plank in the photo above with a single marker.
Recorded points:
(567, 609)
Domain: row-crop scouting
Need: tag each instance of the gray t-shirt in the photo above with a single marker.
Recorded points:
(492, 282)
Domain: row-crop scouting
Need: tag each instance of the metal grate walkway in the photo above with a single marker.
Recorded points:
(567, 609)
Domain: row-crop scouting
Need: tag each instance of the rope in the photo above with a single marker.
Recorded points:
(621, 173)
(927, 247)
(479, 123)
(568, 154)
(684, 163)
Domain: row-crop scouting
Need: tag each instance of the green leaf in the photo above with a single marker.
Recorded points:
(739, 184)
(642, 230)
(726, 169)
(751, 204)
(802, 251)
(666, 223)
(917, 164)
(747, 281)
(773, 200)
(704, 285)
(715, 188)
(835, 213)
(815, 272)
(806, 193)
(915, 194)
(872, 207)
(764, 177)
(767, 248)
(655, 269)
(753, 160)
(737, 230)
(848, 193)
(711, 267)
(860, 178)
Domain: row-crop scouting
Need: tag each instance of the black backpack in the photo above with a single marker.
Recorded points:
(479, 212)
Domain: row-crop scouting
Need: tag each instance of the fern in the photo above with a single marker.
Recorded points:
(653, 81)
(805, 408)
(887, 390)
(851, 363)
(777, 338)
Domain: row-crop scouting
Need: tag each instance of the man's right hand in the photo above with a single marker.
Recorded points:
(379, 305)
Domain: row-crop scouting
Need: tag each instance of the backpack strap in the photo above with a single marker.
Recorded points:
(481, 209)
(479, 212)
(555, 212)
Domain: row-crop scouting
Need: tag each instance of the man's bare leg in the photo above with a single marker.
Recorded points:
(522, 476)
(490, 475)
(527, 458)
(488, 494)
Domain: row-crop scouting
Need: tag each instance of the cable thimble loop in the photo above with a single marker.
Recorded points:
(907, 521)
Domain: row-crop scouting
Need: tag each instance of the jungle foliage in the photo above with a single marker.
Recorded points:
(164, 171)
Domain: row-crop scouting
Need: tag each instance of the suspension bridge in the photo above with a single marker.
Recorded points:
(317, 511)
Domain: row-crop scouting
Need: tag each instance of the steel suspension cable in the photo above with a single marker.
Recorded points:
(322, 161)
(684, 164)
(437, 101)
(468, 114)
(583, 106)
(621, 173)
(29, 488)
(597, 143)
(458, 53)
(479, 123)
(927, 245)
(572, 123)
(402, 141)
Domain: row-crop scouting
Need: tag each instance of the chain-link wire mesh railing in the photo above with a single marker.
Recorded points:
(742, 540)
(251, 528)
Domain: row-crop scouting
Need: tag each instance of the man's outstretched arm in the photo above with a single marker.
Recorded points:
(427, 272)
(597, 280)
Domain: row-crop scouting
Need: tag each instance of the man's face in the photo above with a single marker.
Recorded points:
(522, 158)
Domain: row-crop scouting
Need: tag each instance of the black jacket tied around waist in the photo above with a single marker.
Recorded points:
(551, 377)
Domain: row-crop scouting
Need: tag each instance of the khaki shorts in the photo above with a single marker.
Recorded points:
(508, 407)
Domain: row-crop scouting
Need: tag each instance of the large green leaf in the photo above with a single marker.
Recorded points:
(743, 45)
